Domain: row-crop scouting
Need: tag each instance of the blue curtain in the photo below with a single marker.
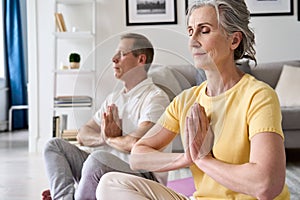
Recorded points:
(16, 68)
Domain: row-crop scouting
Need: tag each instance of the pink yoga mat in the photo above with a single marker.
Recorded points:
(183, 186)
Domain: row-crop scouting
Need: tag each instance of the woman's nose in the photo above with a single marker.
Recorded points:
(193, 42)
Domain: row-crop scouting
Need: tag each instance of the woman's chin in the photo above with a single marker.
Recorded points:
(204, 63)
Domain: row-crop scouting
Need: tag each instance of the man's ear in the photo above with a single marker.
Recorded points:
(236, 40)
(142, 58)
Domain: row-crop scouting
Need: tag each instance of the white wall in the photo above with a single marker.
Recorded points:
(277, 39)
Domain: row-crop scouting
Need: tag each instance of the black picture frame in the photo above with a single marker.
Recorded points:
(298, 10)
(151, 12)
(186, 6)
(270, 7)
(266, 7)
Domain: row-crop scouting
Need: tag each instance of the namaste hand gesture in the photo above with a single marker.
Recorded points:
(111, 123)
(198, 135)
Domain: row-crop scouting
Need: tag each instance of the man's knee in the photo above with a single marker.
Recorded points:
(101, 155)
(110, 161)
(55, 145)
(90, 165)
(99, 158)
(51, 144)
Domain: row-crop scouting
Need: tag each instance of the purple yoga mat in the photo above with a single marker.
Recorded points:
(183, 186)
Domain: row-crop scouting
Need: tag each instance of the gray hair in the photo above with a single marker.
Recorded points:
(233, 16)
(141, 45)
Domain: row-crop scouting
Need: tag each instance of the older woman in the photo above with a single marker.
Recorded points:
(230, 124)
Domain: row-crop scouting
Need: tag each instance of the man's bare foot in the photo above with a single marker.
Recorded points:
(46, 195)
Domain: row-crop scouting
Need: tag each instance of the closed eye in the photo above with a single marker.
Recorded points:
(205, 30)
(200, 29)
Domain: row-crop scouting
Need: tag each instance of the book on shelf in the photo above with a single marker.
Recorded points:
(72, 101)
(56, 127)
(69, 134)
(65, 105)
(60, 22)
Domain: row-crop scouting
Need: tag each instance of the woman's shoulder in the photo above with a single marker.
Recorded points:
(254, 85)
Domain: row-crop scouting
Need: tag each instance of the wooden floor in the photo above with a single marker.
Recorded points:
(23, 175)
(293, 172)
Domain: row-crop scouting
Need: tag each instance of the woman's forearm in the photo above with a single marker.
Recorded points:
(250, 178)
(157, 161)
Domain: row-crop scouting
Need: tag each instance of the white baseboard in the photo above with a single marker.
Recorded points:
(3, 125)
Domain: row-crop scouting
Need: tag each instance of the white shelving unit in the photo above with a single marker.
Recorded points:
(80, 37)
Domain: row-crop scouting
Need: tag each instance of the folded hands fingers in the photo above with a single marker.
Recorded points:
(197, 125)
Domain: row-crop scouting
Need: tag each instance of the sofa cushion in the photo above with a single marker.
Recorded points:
(165, 79)
(188, 71)
(174, 78)
(200, 76)
(244, 66)
(290, 118)
(288, 86)
(270, 72)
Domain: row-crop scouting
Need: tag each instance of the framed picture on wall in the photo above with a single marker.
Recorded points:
(187, 4)
(264, 7)
(270, 7)
(151, 12)
(298, 10)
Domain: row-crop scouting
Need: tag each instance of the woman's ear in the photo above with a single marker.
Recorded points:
(236, 40)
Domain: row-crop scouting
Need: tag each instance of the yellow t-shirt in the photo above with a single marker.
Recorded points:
(248, 108)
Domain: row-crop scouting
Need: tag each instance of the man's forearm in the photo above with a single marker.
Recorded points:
(90, 138)
(90, 141)
(122, 143)
(125, 142)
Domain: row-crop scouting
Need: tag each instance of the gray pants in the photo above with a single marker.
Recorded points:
(66, 165)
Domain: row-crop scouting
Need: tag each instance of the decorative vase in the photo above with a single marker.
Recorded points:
(74, 60)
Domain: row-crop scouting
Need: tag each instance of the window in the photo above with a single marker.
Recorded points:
(1, 42)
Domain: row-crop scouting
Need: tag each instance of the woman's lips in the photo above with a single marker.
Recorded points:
(198, 54)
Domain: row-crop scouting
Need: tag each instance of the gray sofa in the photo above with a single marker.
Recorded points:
(175, 78)
(270, 73)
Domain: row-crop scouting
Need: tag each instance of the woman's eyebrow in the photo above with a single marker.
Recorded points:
(200, 25)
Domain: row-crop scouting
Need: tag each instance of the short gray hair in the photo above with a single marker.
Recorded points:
(233, 16)
(141, 45)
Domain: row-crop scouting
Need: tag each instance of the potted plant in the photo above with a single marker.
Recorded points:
(74, 60)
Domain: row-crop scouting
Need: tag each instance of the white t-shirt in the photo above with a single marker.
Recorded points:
(144, 102)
